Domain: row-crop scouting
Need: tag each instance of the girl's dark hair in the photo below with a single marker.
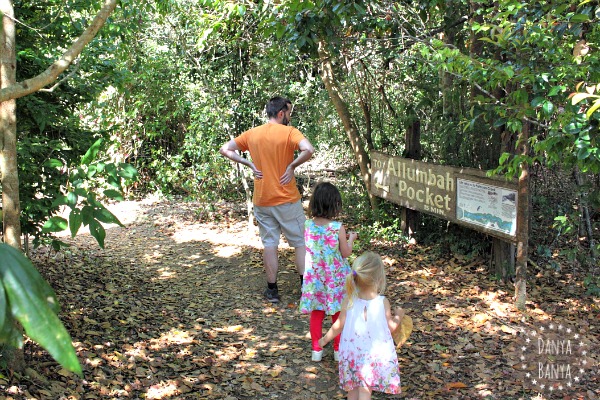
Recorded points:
(277, 104)
(325, 202)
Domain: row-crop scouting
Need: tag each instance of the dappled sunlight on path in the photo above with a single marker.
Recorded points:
(173, 309)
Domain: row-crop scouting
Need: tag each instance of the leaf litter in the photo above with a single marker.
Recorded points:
(173, 309)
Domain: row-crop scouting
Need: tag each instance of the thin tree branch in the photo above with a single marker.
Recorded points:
(57, 84)
(36, 30)
(34, 84)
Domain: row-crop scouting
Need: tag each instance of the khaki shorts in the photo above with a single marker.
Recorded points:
(287, 218)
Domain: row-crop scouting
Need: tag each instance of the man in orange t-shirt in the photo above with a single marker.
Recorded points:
(277, 201)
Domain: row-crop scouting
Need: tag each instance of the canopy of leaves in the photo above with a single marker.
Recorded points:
(195, 73)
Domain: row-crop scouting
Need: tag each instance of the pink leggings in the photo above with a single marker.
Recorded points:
(316, 329)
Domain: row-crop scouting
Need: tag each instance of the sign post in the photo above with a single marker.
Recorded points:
(465, 196)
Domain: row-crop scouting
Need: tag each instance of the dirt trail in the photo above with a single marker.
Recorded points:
(173, 309)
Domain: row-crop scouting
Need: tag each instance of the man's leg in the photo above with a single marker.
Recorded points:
(299, 259)
(269, 234)
(291, 218)
(271, 263)
(271, 266)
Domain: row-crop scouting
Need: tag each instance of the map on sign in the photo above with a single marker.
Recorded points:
(491, 206)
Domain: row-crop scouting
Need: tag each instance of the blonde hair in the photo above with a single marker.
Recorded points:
(367, 271)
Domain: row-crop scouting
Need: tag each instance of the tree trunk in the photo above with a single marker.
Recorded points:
(364, 99)
(503, 253)
(8, 156)
(523, 224)
(8, 132)
(335, 93)
(410, 218)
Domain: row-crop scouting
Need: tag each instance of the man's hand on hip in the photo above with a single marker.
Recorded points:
(287, 176)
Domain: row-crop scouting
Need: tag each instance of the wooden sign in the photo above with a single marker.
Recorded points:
(464, 196)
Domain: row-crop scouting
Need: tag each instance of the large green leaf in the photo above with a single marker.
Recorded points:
(3, 306)
(55, 224)
(75, 221)
(113, 194)
(127, 171)
(8, 332)
(103, 215)
(32, 302)
(98, 232)
(92, 152)
(87, 215)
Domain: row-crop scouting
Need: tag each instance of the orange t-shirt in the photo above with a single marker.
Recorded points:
(272, 147)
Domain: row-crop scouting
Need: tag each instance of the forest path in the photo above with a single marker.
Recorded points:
(172, 308)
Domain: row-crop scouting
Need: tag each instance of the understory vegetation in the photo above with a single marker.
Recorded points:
(508, 88)
(163, 85)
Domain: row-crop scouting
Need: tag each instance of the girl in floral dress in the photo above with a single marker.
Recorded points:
(367, 355)
(326, 266)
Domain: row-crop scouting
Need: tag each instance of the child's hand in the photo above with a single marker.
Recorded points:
(321, 343)
(399, 312)
(352, 236)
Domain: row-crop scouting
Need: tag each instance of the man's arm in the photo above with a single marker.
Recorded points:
(230, 150)
(306, 152)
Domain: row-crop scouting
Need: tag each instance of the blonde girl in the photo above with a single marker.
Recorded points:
(367, 354)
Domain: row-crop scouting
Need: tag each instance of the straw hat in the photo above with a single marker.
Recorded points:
(403, 331)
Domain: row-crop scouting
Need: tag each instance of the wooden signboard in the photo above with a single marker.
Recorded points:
(462, 195)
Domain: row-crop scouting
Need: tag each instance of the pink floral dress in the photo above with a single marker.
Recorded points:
(325, 269)
(367, 351)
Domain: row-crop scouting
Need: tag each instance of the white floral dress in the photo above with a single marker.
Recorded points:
(367, 351)
(325, 269)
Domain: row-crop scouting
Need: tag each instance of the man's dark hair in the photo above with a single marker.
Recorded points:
(325, 202)
(277, 104)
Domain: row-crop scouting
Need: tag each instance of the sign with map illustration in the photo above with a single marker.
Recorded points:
(486, 205)
(465, 196)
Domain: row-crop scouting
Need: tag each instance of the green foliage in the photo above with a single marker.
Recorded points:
(385, 230)
(190, 82)
(540, 64)
(52, 132)
(567, 228)
(180, 78)
(27, 298)
(451, 238)
(589, 94)
(530, 63)
(355, 200)
(85, 181)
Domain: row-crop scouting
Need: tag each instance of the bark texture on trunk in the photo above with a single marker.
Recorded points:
(335, 94)
(522, 225)
(8, 131)
(11, 211)
(411, 218)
